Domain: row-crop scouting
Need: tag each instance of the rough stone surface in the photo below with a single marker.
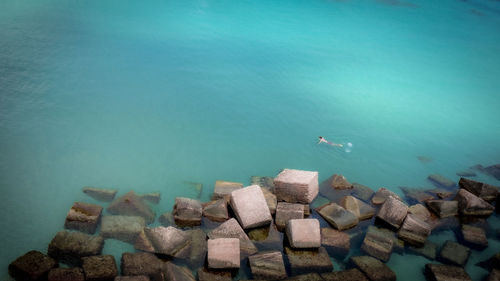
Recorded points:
(99, 268)
(393, 212)
(100, 194)
(153, 197)
(303, 233)
(362, 192)
(66, 274)
(441, 272)
(167, 240)
(336, 242)
(337, 216)
(232, 229)
(271, 200)
(31, 266)
(419, 211)
(216, 210)
(340, 182)
(415, 195)
(359, 208)
(374, 269)
(382, 194)
(268, 266)
(142, 243)
(264, 182)
(205, 274)
(177, 273)
(267, 238)
(69, 247)
(287, 211)
(166, 219)
(83, 217)
(494, 275)
(296, 186)
(223, 253)
(307, 261)
(132, 278)
(352, 274)
(146, 264)
(223, 189)
(443, 208)
(414, 231)
(482, 190)
(197, 247)
(467, 174)
(471, 205)
(474, 237)
(306, 277)
(187, 212)
(493, 170)
(378, 244)
(124, 228)
(454, 253)
(441, 181)
(250, 207)
(131, 204)
(429, 250)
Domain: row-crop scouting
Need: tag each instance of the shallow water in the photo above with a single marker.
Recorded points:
(149, 95)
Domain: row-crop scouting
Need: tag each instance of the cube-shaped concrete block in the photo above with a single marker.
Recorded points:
(83, 217)
(97, 268)
(268, 266)
(124, 228)
(33, 265)
(250, 207)
(414, 231)
(287, 211)
(223, 253)
(393, 212)
(296, 186)
(187, 212)
(304, 233)
(223, 189)
(70, 246)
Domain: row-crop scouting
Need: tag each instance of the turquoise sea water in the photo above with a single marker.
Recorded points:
(147, 95)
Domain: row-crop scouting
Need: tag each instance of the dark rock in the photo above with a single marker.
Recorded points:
(99, 268)
(340, 182)
(83, 217)
(174, 272)
(441, 181)
(414, 231)
(205, 274)
(359, 208)
(482, 190)
(352, 274)
(167, 240)
(473, 237)
(271, 200)
(393, 212)
(123, 228)
(424, 159)
(303, 233)
(320, 201)
(467, 174)
(216, 210)
(153, 197)
(296, 186)
(232, 229)
(166, 219)
(267, 238)
(132, 278)
(99, 194)
(69, 247)
(66, 274)
(454, 253)
(31, 266)
(268, 265)
(429, 250)
(142, 243)
(223, 189)
(415, 195)
(264, 182)
(471, 205)
(187, 212)
(491, 263)
(378, 244)
(493, 170)
(307, 261)
(443, 208)
(287, 211)
(131, 204)
(198, 247)
(441, 193)
(306, 277)
(337, 216)
(382, 194)
(441, 272)
(337, 243)
(362, 192)
(250, 207)
(223, 253)
(374, 269)
(147, 264)
(494, 275)
(419, 211)
(307, 210)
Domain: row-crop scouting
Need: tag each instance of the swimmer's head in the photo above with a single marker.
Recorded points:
(320, 137)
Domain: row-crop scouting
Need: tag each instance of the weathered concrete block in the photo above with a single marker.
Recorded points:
(100, 194)
(307, 261)
(287, 211)
(32, 266)
(340, 182)
(167, 240)
(359, 208)
(66, 274)
(271, 200)
(232, 229)
(250, 207)
(415, 195)
(69, 247)
(266, 238)
(142, 264)
(429, 250)
(494, 275)
(420, 211)
(382, 194)
(414, 231)
(471, 205)
(99, 268)
(223, 189)
(441, 193)
(374, 269)
(131, 204)
(216, 210)
(224, 253)
(441, 181)
(482, 190)
(337, 216)
(198, 247)
(83, 217)
(352, 274)
(337, 243)
(296, 186)
(393, 212)
(441, 272)
(142, 243)
(153, 197)
(205, 274)
(362, 192)
(187, 212)
(132, 278)
(493, 170)
(443, 208)
(303, 233)
(454, 253)
(177, 273)
(265, 182)
(267, 266)
(166, 219)
(466, 173)
(124, 228)
(378, 244)
(474, 237)
(306, 277)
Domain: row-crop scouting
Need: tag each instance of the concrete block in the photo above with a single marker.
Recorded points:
(123, 228)
(131, 204)
(268, 266)
(83, 217)
(296, 186)
(99, 268)
(223, 253)
(337, 216)
(304, 233)
(250, 207)
(70, 246)
(187, 212)
(287, 211)
(393, 212)
(32, 266)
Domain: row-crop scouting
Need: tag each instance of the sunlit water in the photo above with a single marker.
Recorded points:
(146, 95)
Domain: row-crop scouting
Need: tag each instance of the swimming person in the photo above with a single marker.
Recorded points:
(322, 139)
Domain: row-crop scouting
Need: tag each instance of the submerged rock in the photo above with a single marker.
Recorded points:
(177, 273)
(267, 266)
(494, 275)
(223, 189)
(474, 237)
(471, 205)
(250, 207)
(429, 250)
(223, 253)
(467, 174)
(205, 274)
(306, 277)
(66, 274)
(374, 269)
(441, 272)
(352, 274)
(153, 197)
(124, 228)
(359, 208)
(482, 190)
(166, 219)
(415, 195)
(296, 186)
(443, 208)
(303, 233)
(454, 253)
(441, 181)
(83, 217)
(271, 200)
(231, 229)
(287, 211)
(493, 170)
(378, 244)
(382, 194)
(187, 212)
(362, 192)
(419, 211)
(337, 216)
(337, 243)
(414, 231)
(167, 240)
(216, 210)
(264, 182)
(137, 264)
(441, 193)
(340, 182)
(31, 266)
(100, 194)
(307, 261)
(131, 204)
(99, 268)
(69, 247)
(393, 212)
